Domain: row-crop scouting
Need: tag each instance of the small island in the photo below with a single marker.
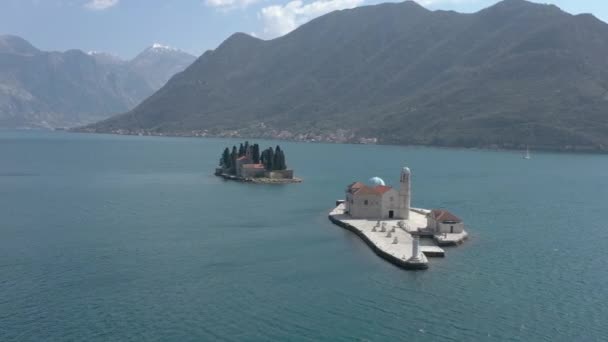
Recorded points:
(383, 218)
(248, 164)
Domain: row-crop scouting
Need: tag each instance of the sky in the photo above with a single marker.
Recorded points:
(126, 27)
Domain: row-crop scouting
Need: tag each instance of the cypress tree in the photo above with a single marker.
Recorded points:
(267, 158)
(282, 164)
(225, 161)
(270, 157)
(255, 153)
(263, 158)
(241, 150)
(233, 157)
(276, 162)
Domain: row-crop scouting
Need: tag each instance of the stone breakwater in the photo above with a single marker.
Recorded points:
(397, 241)
(388, 240)
(260, 180)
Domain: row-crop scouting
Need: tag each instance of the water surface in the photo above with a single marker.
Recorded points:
(131, 238)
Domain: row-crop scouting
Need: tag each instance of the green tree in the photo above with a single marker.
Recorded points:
(282, 165)
(225, 160)
(233, 156)
(268, 158)
(241, 150)
(255, 153)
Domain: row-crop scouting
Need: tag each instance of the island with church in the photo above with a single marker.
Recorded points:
(382, 216)
(248, 164)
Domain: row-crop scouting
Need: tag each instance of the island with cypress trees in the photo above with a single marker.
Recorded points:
(248, 164)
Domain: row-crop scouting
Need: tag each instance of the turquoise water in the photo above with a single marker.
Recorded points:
(111, 238)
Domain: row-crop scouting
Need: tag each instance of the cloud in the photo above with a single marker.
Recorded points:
(229, 4)
(279, 20)
(100, 5)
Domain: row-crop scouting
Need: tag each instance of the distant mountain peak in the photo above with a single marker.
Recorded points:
(238, 39)
(519, 4)
(161, 47)
(14, 44)
(104, 57)
(413, 4)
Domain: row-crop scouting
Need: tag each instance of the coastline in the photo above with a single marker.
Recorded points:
(581, 150)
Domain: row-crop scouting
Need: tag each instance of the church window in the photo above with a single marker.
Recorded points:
(365, 202)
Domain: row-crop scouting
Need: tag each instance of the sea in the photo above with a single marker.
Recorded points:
(125, 238)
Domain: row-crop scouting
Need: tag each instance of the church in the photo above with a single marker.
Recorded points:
(380, 201)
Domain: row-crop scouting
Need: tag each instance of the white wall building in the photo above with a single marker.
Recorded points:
(380, 201)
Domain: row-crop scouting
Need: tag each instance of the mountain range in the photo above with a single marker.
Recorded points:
(63, 89)
(514, 74)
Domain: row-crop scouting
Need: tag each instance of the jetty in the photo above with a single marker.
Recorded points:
(388, 239)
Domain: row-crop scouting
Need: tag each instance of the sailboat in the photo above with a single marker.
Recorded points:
(527, 154)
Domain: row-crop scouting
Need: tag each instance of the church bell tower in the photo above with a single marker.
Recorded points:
(405, 193)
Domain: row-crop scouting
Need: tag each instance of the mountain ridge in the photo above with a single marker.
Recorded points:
(47, 89)
(513, 74)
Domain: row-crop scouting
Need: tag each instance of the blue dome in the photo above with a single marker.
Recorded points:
(376, 181)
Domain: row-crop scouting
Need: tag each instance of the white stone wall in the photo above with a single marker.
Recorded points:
(440, 227)
(371, 210)
(252, 173)
(281, 174)
(447, 227)
(388, 204)
(405, 194)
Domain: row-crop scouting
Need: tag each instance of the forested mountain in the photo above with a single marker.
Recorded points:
(513, 74)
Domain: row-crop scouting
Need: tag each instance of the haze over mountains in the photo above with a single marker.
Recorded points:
(513, 74)
(63, 89)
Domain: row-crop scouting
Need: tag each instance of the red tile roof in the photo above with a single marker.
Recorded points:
(360, 188)
(382, 188)
(354, 187)
(253, 166)
(366, 190)
(444, 216)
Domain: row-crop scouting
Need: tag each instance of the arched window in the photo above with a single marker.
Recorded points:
(365, 202)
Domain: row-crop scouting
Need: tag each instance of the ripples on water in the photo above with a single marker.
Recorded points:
(126, 238)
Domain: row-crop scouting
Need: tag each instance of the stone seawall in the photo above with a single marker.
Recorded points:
(263, 180)
(401, 263)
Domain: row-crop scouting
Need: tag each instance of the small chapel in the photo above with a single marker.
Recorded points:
(379, 201)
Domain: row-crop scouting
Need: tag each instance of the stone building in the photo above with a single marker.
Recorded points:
(442, 221)
(245, 168)
(379, 201)
(252, 171)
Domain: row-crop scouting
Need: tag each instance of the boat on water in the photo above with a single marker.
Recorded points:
(527, 154)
